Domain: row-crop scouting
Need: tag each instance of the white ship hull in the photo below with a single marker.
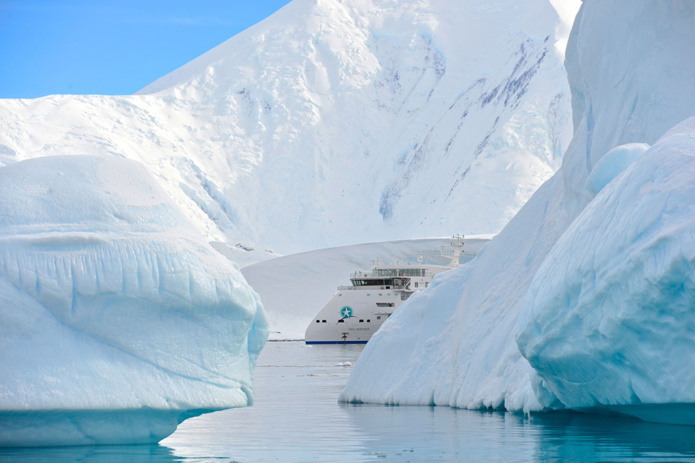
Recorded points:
(353, 316)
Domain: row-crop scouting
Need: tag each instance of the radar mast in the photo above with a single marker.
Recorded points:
(457, 244)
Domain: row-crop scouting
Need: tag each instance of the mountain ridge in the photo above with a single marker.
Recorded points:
(332, 123)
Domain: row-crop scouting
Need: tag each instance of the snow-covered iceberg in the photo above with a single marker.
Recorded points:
(456, 344)
(613, 163)
(608, 320)
(117, 319)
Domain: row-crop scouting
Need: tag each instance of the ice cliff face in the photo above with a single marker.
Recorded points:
(592, 280)
(608, 319)
(334, 122)
(118, 320)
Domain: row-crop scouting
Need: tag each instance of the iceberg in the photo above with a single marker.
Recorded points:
(613, 163)
(117, 319)
(608, 319)
(525, 326)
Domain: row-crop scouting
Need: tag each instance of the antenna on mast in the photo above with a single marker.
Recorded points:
(457, 244)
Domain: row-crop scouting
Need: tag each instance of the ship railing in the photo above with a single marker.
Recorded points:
(361, 275)
(377, 288)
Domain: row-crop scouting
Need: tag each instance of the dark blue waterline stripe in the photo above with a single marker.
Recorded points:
(336, 342)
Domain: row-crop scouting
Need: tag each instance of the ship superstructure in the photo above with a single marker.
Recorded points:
(357, 311)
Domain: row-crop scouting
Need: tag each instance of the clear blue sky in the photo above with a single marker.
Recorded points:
(111, 47)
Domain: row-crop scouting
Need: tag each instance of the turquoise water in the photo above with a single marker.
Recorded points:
(296, 418)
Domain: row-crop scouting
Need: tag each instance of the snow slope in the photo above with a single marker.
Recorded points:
(117, 319)
(294, 288)
(458, 343)
(338, 122)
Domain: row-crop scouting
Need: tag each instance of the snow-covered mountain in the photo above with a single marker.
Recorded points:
(585, 299)
(336, 122)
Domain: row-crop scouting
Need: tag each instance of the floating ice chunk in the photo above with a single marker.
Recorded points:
(608, 320)
(117, 319)
(613, 163)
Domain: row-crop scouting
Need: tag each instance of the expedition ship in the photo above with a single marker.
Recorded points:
(357, 311)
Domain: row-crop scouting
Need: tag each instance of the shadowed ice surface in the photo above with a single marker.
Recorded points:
(296, 418)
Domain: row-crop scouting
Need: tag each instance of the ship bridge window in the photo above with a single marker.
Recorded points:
(384, 304)
(393, 272)
(372, 282)
(386, 283)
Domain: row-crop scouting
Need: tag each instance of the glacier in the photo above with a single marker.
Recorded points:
(334, 122)
(584, 300)
(118, 320)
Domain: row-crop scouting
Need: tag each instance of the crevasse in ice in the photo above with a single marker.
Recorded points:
(117, 319)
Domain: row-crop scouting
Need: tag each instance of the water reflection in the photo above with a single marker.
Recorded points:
(444, 434)
(296, 418)
(88, 454)
(575, 436)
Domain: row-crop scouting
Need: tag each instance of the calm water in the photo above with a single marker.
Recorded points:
(296, 418)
